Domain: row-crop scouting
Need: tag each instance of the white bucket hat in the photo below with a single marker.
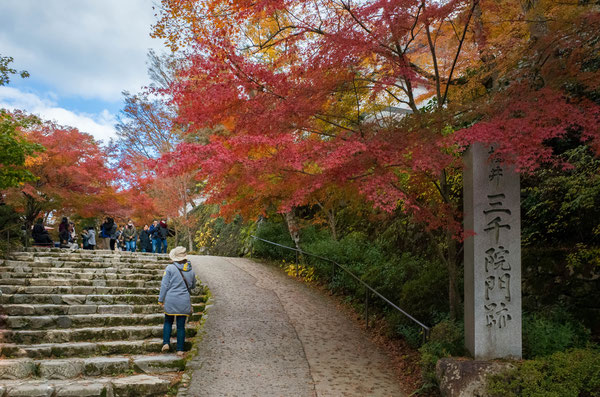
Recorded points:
(178, 254)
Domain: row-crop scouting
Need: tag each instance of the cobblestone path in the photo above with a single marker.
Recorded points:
(269, 335)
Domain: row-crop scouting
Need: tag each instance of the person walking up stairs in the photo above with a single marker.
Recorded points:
(85, 323)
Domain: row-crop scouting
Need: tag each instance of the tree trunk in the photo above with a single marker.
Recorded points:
(190, 241)
(453, 294)
(293, 227)
(332, 223)
(32, 210)
(450, 256)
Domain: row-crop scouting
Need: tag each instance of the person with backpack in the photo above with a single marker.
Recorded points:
(176, 297)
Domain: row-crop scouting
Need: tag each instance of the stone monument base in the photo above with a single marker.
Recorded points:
(461, 377)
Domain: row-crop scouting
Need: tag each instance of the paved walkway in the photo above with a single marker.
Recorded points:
(269, 335)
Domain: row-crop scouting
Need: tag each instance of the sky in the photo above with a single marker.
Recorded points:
(81, 54)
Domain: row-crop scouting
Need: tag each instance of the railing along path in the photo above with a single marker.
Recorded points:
(368, 288)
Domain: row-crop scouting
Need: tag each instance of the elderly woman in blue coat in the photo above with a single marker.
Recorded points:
(178, 279)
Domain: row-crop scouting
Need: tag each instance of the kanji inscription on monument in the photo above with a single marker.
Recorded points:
(492, 219)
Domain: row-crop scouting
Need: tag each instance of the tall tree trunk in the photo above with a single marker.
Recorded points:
(293, 227)
(190, 241)
(331, 221)
(453, 293)
(450, 256)
(32, 210)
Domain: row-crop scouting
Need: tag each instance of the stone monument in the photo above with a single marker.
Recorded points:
(492, 281)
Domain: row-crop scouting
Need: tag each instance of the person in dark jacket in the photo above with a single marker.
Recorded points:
(153, 235)
(129, 236)
(145, 240)
(40, 234)
(162, 233)
(105, 230)
(112, 231)
(177, 282)
(64, 233)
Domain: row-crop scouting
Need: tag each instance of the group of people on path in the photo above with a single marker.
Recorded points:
(67, 235)
(151, 238)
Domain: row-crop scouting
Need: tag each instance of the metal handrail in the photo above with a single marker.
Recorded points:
(425, 328)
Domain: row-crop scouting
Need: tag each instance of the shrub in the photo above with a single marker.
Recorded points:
(545, 333)
(446, 339)
(278, 233)
(11, 234)
(572, 373)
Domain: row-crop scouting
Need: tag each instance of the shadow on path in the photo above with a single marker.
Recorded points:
(268, 335)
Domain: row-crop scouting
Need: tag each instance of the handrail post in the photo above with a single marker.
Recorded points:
(296, 264)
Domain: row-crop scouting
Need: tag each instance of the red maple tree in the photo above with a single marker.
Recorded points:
(305, 96)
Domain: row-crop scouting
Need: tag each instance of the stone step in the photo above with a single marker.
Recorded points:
(46, 310)
(79, 299)
(77, 290)
(82, 320)
(85, 334)
(85, 273)
(77, 282)
(124, 255)
(137, 385)
(86, 349)
(83, 264)
(67, 368)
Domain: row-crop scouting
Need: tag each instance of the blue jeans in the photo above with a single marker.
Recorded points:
(130, 245)
(155, 242)
(167, 328)
(162, 245)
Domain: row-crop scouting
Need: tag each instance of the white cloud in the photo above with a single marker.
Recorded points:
(89, 49)
(100, 125)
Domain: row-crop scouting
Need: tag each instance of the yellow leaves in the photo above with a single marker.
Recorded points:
(302, 271)
(267, 32)
(33, 161)
(261, 152)
(313, 168)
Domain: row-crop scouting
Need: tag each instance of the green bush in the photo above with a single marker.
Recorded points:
(11, 234)
(415, 284)
(446, 339)
(278, 233)
(215, 236)
(545, 333)
(575, 373)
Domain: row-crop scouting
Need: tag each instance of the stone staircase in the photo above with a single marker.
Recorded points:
(86, 323)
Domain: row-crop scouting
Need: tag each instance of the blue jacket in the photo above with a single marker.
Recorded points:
(173, 292)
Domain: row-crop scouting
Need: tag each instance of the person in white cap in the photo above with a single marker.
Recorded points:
(175, 296)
